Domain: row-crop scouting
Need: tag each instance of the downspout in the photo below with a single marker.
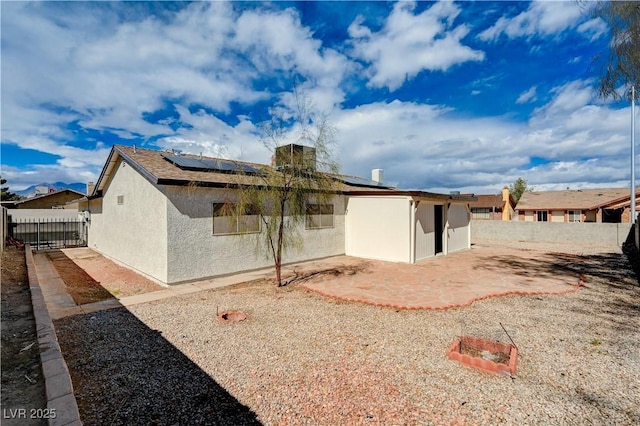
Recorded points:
(468, 226)
(412, 230)
(446, 229)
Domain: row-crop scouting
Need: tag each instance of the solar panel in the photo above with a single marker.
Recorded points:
(210, 165)
(357, 181)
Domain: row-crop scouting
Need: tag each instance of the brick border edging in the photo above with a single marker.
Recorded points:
(573, 289)
(60, 397)
(454, 353)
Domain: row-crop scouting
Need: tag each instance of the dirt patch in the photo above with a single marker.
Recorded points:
(117, 280)
(90, 277)
(81, 286)
(22, 381)
(468, 348)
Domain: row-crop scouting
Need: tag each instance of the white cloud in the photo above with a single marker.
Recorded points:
(212, 56)
(82, 63)
(541, 18)
(211, 136)
(432, 147)
(409, 44)
(527, 96)
(594, 28)
(278, 41)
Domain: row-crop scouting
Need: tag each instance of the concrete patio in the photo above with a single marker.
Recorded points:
(450, 281)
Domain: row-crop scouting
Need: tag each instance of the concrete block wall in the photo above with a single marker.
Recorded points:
(590, 233)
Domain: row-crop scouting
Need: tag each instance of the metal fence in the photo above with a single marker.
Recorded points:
(44, 234)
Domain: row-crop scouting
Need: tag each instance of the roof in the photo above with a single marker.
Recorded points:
(156, 168)
(41, 196)
(487, 201)
(574, 199)
(153, 165)
(418, 195)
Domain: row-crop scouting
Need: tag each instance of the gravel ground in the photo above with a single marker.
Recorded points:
(303, 359)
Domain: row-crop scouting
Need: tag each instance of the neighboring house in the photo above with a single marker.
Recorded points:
(158, 213)
(49, 200)
(493, 207)
(610, 205)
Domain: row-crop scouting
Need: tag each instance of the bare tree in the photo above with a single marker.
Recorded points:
(281, 196)
(620, 63)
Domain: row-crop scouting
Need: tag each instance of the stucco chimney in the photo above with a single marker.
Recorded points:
(505, 194)
(377, 175)
(90, 187)
(506, 204)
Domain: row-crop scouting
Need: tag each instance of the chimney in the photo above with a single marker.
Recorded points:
(377, 175)
(90, 187)
(506, 204)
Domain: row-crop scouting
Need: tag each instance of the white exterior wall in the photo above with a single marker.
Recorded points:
(195, 253)
(425, 231)
(458, 230)
(379, 228)
(557, 216)
(528, 216)
(134, 233)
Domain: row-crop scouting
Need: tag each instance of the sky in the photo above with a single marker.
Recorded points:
(444, 96)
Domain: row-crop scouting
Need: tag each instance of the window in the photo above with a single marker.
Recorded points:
(319, 216)
(575, 215)
(543, 216)
(480, 213)
(120, 200)
(226, 223)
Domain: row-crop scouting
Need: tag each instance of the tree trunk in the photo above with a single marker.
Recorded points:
(279, 250)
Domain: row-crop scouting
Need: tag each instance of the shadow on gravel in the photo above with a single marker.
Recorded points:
(608, 266)
(125, 373)
(601, 272)
(631, 251)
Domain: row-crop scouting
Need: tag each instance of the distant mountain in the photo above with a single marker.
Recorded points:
(77, 186)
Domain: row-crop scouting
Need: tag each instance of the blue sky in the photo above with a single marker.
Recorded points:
(443, 96)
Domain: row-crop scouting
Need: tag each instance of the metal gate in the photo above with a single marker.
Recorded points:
(43, 234)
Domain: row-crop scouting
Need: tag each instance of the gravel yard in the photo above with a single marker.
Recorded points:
(300, 358)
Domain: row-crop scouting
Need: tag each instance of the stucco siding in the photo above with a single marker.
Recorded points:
(458, 231)
(557, 216)
(195, 253)
(379, 228)
(133, 232)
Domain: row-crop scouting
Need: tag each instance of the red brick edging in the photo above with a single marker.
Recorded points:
(573, 289)
(454, 353)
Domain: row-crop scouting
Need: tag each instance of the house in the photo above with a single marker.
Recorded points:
(610, 205)
(47, 200)
(493, 207)
(158, 213)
